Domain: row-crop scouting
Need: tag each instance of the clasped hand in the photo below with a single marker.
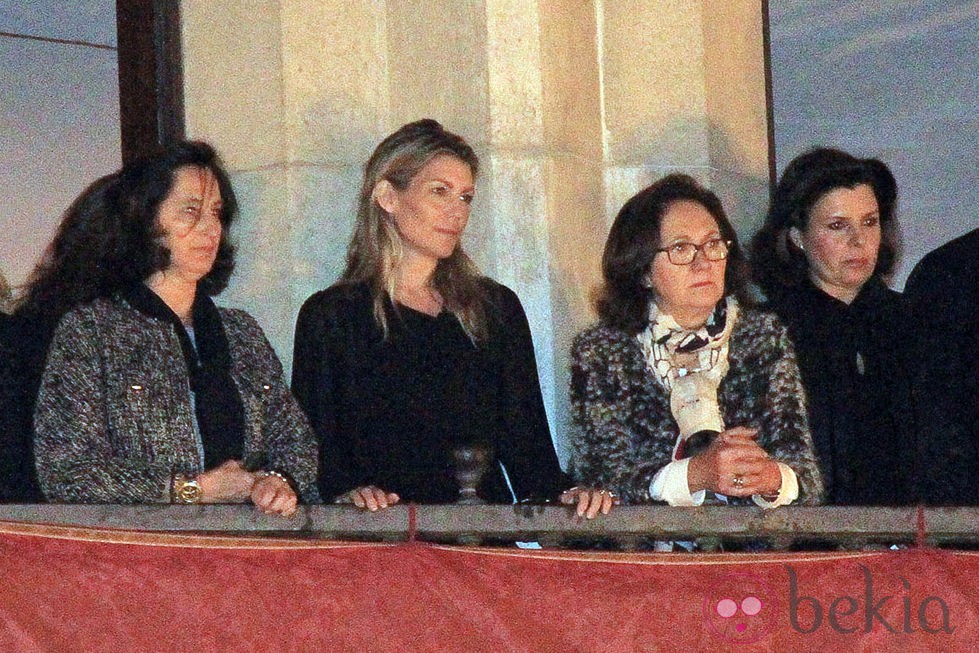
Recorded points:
(735, 465)
(230, 482)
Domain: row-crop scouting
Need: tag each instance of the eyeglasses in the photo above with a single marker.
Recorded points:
(715, 249)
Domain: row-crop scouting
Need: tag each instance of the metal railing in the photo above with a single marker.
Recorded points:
(552, 525)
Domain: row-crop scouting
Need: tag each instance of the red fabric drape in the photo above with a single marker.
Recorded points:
(65, 589)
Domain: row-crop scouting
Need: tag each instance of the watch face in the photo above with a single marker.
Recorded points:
(189, 492)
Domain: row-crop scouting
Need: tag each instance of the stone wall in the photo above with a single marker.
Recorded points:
(572, 105)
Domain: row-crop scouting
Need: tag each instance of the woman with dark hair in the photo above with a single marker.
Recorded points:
(828, 241)
(66, 275)
(683, 388)
(151, 393)
(413, 354)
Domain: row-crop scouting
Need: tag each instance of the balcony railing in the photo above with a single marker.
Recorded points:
(550, 525)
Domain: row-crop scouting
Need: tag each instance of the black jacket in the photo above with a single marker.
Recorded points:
(944, 294)
(23, 349)
(856, 364)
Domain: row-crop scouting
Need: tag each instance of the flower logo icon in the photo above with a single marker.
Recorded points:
(740, 608)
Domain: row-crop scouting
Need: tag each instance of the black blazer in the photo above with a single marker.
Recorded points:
(389, 412)
(23, 349)
(944, 293)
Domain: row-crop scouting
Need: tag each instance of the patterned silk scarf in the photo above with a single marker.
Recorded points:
(690, 364)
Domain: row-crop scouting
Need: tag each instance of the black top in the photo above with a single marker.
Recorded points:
(944, 293)
(390, 412)
(23, 348)
(856, 363)
(218, 406)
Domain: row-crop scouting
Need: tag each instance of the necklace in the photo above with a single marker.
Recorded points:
(424, 299)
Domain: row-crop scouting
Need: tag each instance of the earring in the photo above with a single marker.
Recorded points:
(793, 236)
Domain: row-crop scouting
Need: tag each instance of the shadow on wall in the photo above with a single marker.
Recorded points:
(701, 149)
(577, 230)
(744, 194)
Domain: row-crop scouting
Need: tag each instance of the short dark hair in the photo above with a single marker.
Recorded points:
(624, 296)
(777, 262)
(109, 237)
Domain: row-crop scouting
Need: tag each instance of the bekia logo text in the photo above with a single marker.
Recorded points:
(865, 610)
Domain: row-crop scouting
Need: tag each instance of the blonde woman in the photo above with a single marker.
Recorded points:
(413, 353)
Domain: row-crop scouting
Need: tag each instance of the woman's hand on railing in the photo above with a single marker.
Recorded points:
(590, 501)
(369, 497)
(273, 495)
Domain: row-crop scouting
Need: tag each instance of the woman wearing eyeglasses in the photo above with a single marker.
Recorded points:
(828, 239)
(682, 389)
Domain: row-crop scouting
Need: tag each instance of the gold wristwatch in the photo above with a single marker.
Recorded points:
(186, 489)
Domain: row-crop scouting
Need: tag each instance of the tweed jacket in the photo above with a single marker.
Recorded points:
(624, 431)
(115, 419)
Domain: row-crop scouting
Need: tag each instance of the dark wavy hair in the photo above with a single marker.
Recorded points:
(776, 261)
(376, 248)
(623, 299)
(110, 238)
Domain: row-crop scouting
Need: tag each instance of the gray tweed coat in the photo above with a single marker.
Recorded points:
(624, 431)
(114, 418)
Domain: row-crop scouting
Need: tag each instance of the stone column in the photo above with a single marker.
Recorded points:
(684, 88)
(737, 110)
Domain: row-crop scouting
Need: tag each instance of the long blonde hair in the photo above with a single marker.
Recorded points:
(376, 249)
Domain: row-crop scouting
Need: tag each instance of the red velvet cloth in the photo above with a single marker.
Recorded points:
(69, 589)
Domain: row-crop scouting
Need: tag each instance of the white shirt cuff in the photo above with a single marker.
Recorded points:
(788, 493)
(670, 485)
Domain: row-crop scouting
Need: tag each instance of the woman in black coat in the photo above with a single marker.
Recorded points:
(414, 354)
(827, 243)
(18, 482)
